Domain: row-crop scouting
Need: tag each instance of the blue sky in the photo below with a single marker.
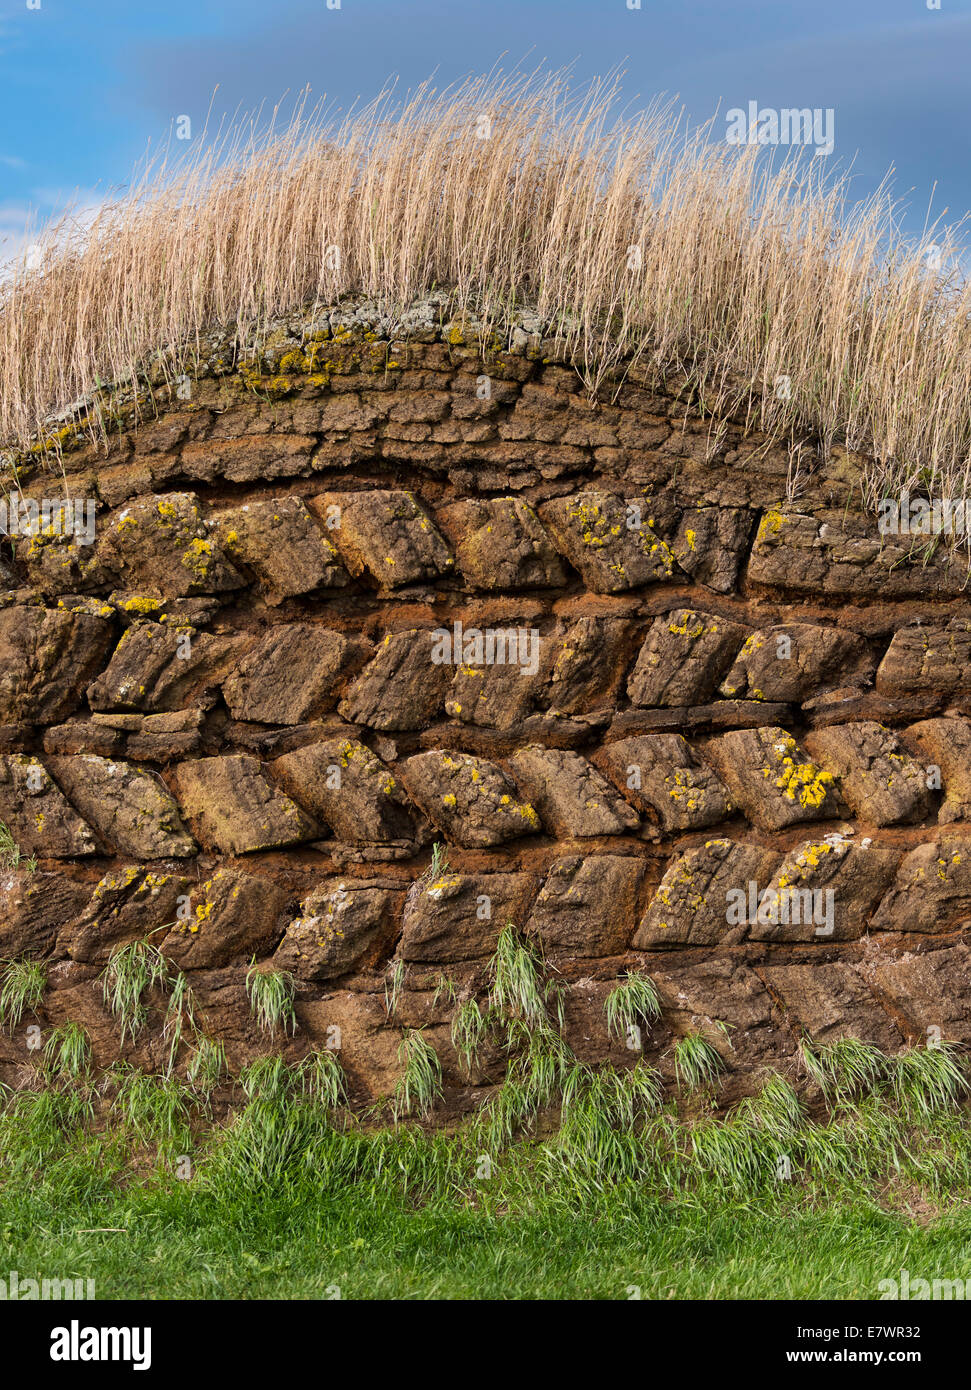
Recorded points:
(86, 85)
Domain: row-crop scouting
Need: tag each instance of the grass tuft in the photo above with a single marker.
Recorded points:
(179, 1016)
(22, 985)
(271, 994)
(927, 1080)
(393, 985)
(10, 855)
(420, 1084)
(133, 970)
(207, 1063)
(845, 1070)
(469, 1029)
(157, 1109)
(436, 868)
(67, 1054)
(697, 1062)
(323, 1076)
(517, 991)
(631, 1005)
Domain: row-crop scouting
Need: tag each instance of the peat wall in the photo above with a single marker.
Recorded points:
(356, 596)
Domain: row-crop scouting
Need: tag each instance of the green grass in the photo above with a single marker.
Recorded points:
(155, 1110)
(11, 856)
(846, 1069)
(21, 990)
(178, 1242)
(179, 1016)
(323, 1076)
(67, 1053)
(270, 994)
(697, 1062)
(436, 868)
(420, 1083)
(517, 985)
(572, 1181)
(468, 1032)
(631, 1005)
(285, 1202)
(207, 1063)
(393, 986)
(133, 970)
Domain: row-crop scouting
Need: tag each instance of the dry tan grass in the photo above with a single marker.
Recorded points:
(748, 272)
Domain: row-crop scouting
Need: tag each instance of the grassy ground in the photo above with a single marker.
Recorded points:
(178, 1241)
(572, 1182)
(291, 1199)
